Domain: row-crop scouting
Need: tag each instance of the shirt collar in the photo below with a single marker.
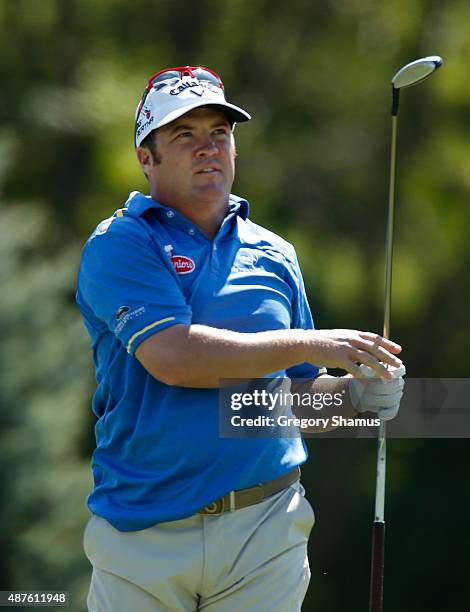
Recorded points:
(137, 204)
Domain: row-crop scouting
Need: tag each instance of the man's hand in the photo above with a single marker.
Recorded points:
(346, 348)
(372, 394)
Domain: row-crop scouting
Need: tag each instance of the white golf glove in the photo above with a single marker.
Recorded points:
(375, 394)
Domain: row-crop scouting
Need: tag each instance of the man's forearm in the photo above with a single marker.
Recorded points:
(200, 356)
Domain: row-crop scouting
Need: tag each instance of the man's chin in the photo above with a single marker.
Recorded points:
(213, 191)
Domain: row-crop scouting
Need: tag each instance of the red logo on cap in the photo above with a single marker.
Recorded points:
(183, 264)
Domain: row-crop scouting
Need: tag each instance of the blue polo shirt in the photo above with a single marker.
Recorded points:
(159, 456)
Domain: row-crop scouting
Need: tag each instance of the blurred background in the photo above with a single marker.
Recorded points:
(314, 165)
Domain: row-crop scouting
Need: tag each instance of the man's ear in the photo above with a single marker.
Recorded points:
(145, 160)
(145, 157)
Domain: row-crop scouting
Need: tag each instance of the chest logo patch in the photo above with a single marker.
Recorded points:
(183, 264)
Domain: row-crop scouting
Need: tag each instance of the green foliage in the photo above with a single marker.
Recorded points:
(314, 165)
(44, 382)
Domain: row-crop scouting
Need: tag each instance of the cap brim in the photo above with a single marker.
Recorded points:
(234, 113)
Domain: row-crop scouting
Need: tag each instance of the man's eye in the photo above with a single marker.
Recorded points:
(184, 134)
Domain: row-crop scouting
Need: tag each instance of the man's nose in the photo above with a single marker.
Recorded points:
(207, 146)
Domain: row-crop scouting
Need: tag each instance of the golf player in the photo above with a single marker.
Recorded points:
(180, 290)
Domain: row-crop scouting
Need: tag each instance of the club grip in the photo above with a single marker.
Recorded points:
(377, 567)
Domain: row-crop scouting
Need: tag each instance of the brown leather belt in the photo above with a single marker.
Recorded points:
(248, 497)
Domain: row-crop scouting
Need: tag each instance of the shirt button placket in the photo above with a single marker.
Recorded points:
(215, 259)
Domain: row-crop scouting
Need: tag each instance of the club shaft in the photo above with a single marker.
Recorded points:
(380, 478)
(378, 534)
(390, 227)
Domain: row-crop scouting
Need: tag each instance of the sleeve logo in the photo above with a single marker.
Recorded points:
(121, 312)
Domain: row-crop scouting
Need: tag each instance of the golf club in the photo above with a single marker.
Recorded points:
(412, 73)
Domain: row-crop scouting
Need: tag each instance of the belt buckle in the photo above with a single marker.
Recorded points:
(215, 508)
(222, 505)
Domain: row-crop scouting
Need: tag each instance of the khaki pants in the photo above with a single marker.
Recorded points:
(252, 559)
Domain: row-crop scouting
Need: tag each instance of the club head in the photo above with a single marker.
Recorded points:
(416, 71)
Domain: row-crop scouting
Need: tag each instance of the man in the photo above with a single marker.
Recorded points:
(179, 290)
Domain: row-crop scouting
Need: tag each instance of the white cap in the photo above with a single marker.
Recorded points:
(175, 97)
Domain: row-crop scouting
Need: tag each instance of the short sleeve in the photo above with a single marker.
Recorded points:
(302, 319)
(125, 285)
